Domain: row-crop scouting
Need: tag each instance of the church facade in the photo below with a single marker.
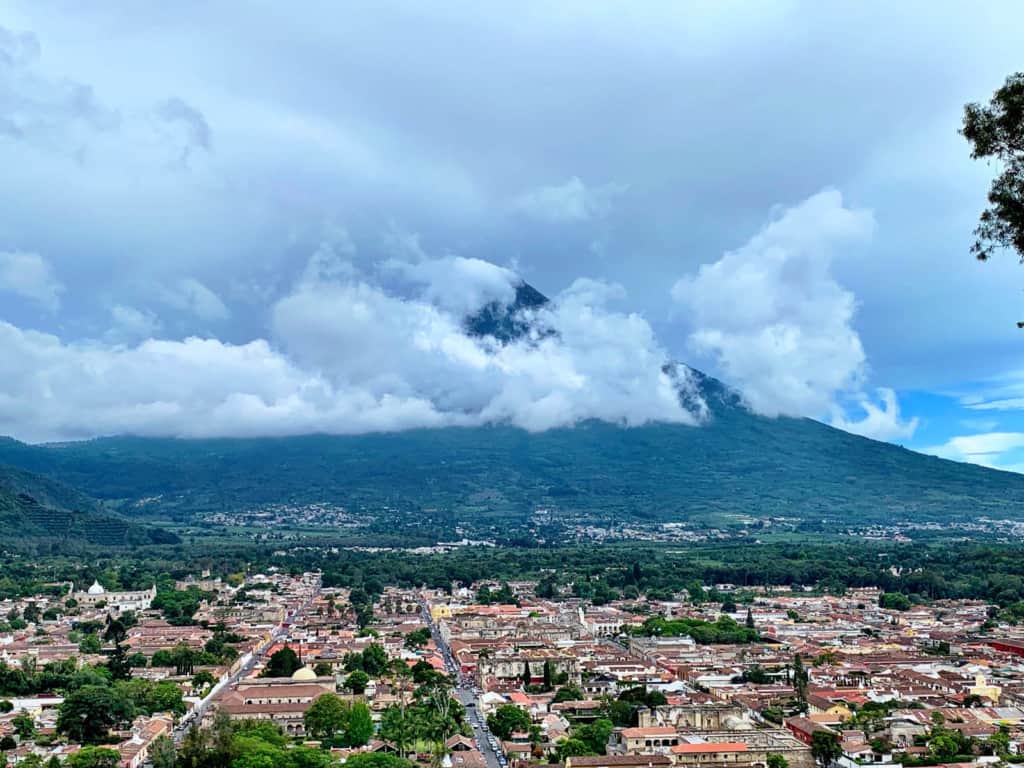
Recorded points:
(119, 601)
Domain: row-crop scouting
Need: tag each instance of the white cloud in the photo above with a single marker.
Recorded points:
(571, 201)
(456, 283)
(131, 324)
(881, 420)
(346, 356)
(190, 295)
(989, 449)
(29, 275)
(773, 317)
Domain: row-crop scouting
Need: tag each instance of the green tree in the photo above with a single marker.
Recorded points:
(327, 718)
(398, 725)
(7, 743)
(90, 644)
(88, 714)
(375, 660)
(203, 679)
(119, 664)
(825, 748)
(507, 719)
(94, 757)
(777, 761)
(24, 725)
(800, 678)
(568, 693)
(376, 760)
(357, 681)
(750, 625)
(417, 638)
(283, 663)
(572, 747)
(162, 753)
(323, 669)
(996, 132)
(359, 729)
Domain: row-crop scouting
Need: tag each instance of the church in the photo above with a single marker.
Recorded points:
(119, 601)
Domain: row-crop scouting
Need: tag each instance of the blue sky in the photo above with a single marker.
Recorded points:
(273, 221)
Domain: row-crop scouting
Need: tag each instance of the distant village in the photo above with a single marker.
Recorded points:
(763, 678)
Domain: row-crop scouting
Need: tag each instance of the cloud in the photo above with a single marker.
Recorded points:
(989, 449)
(30, 276)
(37, 109)
(881, 420)
(190, 295)
(773, 318)
(131, 324)
(571, 201)
(195, 131)
(347, 355)
(456, 283)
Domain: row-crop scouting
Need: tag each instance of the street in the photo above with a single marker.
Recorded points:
(486, 742)
(195, 715)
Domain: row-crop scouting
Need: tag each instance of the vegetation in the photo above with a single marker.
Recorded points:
(724, 630)
(996, 132)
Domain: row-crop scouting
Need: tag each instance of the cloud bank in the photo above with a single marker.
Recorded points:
(780, 327)
(347, 354)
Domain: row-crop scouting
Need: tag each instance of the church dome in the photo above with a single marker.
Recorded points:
(305, 673)
(96, 589)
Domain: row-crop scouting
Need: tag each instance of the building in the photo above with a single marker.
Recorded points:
(281, 700)
(119, 601)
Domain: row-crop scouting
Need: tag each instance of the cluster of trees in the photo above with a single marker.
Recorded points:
(433, 715)
(179, 606)
(373, 660)
(249, 744)
(500, 596)
(339, 723)
(588, 739)
(725, 629)
(89, 713)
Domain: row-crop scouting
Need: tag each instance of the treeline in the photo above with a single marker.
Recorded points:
(992, 572)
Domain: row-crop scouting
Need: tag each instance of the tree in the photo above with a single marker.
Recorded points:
(750, 625)
(88, 714)
(417, 638)
(376, 760)
(202, 679)
(398, 726)
(568, 693)
(283, 663)
(777, 761)
(24, 725)
(996, 131)
(572, 747)
(184, 658)
(506, 720)
(548, 675)
(6, 706)
(800, 678)
(163, 755)
(360, 729)
(825, 747)
(322, 669)
(119, 664)
(357, 681)
(94, 757)
(327, 717)
(375, 660)
(90, 644)
(7, 743)
(527, 675)
(729, 605)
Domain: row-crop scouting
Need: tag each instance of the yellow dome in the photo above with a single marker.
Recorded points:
(305, 673)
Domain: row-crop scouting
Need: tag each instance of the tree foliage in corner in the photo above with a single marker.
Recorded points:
(996, 132)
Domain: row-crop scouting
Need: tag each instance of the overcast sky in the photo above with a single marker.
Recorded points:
(269, 218)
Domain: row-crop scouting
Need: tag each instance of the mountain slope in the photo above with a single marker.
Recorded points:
(34, 507)
(739, 463)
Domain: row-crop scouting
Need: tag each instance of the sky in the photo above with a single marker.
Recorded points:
(219, 219)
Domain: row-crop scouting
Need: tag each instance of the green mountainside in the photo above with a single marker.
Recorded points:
(738, 464)
(33, 507)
